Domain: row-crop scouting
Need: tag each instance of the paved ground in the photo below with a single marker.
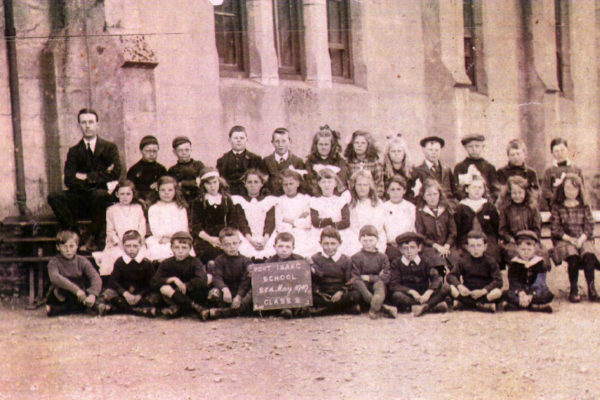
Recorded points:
(456, 355)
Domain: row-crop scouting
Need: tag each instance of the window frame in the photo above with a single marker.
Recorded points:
(241, 68)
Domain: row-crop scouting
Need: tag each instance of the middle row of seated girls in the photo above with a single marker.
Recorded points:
(260, 218)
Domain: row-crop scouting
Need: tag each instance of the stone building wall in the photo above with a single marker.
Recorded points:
(151, 67)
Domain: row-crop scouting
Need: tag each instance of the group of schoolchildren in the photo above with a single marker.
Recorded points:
(379, 235)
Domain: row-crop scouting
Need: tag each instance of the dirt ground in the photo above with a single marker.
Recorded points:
(469, 355)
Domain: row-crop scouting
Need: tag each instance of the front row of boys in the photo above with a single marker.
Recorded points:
(182, 284)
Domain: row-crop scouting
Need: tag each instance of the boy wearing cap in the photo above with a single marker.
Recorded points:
(281, 159)
(432, 168)
(231, 283)
(527, 276)
(331, 277)
(414, 282)
(187, 170)
(475, 281)
(371, 273)
(146, 171)
(233, 164)
(182, 279)
(474, 164)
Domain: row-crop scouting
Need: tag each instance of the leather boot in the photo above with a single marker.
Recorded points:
(573, 269)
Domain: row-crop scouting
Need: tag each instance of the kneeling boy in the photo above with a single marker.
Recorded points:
(527, 276)
(331, 274)
(476, 280)
(231, 280)
(128, 288)
(414, 282)
(371, 272)
(75, 282)
(181, 280)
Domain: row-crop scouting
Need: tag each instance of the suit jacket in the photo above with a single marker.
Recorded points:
(444, 177)
(274, 170)
(232, 167)
(104, 167)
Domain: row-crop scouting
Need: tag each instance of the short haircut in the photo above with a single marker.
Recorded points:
(280, 131)
(64, 236)
(227, 232)
(516, 144)
(288, 173)
(476, 234)
(87, 111)
(237, 128)
(285, 237)
(175, 239)
(400, 180)
(330, 232)
(132, 234)
(557, 141)
(368, 230)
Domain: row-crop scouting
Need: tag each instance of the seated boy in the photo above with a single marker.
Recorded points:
(233, 164)
(76, 284)
(527, 276)
(371, 272)
(146, 172)
(413, 281)
(182, 279)
(284, 251)
(474, 164)
(231, 280)
(187, 170)
(331, 274)
(128, 288)
(281, 159)
(476, 280)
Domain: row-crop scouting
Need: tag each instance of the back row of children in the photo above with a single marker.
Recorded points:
(441, 205)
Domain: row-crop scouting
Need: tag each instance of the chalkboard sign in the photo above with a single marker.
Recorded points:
(281, 285)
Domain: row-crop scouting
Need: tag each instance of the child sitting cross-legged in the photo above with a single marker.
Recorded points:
(128, 288)
(414, 281)
(331, 274)
(231, 280)
(75, 282)
(527, 277)
(182, 279)
(284, 251)
(476, 280)
(371, 273)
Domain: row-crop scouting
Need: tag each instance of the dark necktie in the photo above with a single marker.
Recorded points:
(412, 264)
(562, 164)
(90, 153)
(434, 170)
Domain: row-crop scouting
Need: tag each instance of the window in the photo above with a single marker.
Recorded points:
(338, 29)
(469, 38)
(287, 23)
(229, 35)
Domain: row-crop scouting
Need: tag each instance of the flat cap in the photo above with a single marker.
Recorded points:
(409, 237)
(428, 139)
(146, 140)
(527, 234)
(179, 140)
(473, 137)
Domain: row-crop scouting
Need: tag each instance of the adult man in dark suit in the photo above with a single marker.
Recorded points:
(281, 159)
(432, 168)
(90, 165)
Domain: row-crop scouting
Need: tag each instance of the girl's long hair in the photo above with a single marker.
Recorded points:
(407, 166)
(336, 149)
(559, 195)
(179, 199)
(361, 173)
(372, 152)
(505, 200)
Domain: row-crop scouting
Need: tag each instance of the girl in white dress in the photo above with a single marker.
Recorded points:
(399, 214)
(259, 212)
(126, 215)
(329, 209)
(292, 213)
(365, 209)
(167, 216)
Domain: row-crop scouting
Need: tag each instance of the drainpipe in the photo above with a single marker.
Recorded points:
(10, 36)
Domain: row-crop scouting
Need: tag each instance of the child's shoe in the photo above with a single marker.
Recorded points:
(170, 311)
(286, 313)
(374, 314)
(487, 307)
(355, 309)
(389, 311)
(440, 307)
(592, 294)
(545, 308)
(419, 310)
(574, 296)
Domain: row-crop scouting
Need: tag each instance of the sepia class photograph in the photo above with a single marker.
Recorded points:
(299, 199)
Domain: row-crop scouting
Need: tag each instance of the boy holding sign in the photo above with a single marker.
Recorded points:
(231, 281)
(331, 271)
